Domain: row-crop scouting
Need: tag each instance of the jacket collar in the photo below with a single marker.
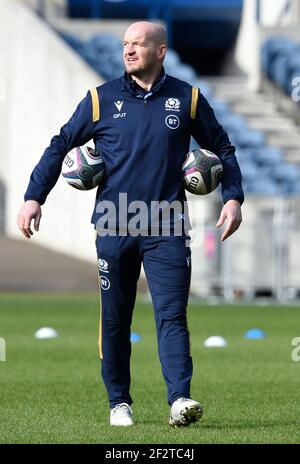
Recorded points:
(130, 86)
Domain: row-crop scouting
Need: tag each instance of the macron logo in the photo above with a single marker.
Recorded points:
(119, 105)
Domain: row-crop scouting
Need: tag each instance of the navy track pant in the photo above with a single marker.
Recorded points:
(167, 266)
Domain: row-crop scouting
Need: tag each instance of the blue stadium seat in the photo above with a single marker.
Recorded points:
(104, 52)
(204, 87)
(285, 67)
(106, 42)
(249, 171)
(184, 72)
(233, 123)
(292, 71)
(287, 51)
(280, 70)
(263, 169)
(220, 107)
(280, 61)
(267, 156)
(74, 41)
(172, 58)
(271, 50)
(243, 155)
(248, 138)
(286, 173)
(294, 189)
(89, 54)
(263, 187)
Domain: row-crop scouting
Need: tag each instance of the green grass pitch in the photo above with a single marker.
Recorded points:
(51, 390)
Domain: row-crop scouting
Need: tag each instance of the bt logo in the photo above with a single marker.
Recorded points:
(172, 121)
(104, 283)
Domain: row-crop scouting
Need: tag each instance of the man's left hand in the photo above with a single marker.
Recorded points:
(231, 212)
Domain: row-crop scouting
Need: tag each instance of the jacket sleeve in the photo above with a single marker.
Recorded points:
(210, 135)
(77, 131)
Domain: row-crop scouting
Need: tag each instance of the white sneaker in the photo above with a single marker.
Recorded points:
(184, 411)
(121, 415)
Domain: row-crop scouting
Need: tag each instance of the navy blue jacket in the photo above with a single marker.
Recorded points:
(143, 138)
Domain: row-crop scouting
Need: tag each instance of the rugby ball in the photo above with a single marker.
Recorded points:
(202, 171)
(83, 168)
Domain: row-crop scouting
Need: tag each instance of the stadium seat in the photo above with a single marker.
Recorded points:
(248, 138)
(280, 70)
(104, 53)
(263, 169)
(233, 123)
(249, 171)
(271, 50)
(185, 72)
(172, 59)
(204, 87)
(267, 156)
(220, 107)
(280, 61)
(263, 187)
(74, 41)
(286, 173)
(292, 71)
(294, 189)
(284, 68)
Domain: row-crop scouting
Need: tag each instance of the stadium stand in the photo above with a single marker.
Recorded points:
(263, 258)
(256, 157)
(199, 17)
(253, 134)
(280, 67)
(104, 54)
(280, 61)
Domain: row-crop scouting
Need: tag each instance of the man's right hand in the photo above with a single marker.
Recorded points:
(30, 210)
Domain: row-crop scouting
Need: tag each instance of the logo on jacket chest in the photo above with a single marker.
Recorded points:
(118, 105)
(172, 121)
(172, 104)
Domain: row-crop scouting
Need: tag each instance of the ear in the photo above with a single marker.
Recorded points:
(162, 50)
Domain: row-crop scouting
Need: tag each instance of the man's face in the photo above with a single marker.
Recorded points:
(141, 52)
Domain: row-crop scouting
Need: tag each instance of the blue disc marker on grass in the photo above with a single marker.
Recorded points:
(255, 334)
(135, 337)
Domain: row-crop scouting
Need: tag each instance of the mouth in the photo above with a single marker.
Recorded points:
(131, 60)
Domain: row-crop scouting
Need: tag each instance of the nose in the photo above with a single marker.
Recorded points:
(129, 49)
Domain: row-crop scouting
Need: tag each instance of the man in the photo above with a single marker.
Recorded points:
(143, 139)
